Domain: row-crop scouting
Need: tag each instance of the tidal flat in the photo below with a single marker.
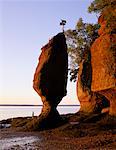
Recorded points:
(91, 132)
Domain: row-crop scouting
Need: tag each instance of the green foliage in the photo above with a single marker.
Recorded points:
(82, 37)
(99, 6)
(79, 40)
(107, 9)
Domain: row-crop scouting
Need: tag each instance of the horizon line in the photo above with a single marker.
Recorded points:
(36, 105)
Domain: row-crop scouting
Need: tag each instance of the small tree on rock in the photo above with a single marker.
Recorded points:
(79, 40)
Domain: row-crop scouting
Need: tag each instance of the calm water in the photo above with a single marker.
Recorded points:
(24, 111)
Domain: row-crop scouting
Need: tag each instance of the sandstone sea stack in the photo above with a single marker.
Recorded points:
(50, 79)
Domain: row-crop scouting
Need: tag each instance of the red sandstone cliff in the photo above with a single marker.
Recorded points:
(103, 60)
(102, 73)
(90, 102)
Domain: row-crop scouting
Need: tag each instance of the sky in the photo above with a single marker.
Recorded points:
(26, 26)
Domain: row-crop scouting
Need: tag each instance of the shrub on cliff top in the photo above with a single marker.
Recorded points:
(106, 8)
(99, 6)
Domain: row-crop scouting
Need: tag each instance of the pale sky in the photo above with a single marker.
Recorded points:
(25, 26)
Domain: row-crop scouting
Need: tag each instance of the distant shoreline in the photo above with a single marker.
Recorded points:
(30, 105)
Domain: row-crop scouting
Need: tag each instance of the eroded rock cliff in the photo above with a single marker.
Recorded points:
(90, 102)
(99, 72)
(103, 60)
(50, 79)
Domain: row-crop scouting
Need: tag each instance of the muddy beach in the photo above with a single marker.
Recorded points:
(78, 133)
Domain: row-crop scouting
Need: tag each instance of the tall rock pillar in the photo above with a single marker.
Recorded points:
(50, 79)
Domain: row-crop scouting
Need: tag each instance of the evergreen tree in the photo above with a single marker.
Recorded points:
(79, 40)
(107, 8)
(84, 34)
(99, 6)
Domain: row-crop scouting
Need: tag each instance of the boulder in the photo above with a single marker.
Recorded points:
(50, 79)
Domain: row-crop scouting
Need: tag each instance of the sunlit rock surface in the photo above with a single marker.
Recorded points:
(96, 87)
(103, 60)
(50, 79)
(90, 102)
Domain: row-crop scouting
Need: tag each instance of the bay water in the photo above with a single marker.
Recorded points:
(27, 111)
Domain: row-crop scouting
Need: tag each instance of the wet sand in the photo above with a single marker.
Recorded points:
(92, 133)
(11, 139)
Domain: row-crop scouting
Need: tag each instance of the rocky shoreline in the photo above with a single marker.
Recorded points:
(79, 132)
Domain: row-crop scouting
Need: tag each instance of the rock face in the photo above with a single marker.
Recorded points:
(91, 102)
(100, 72)
(103, 60)
(50, 79)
